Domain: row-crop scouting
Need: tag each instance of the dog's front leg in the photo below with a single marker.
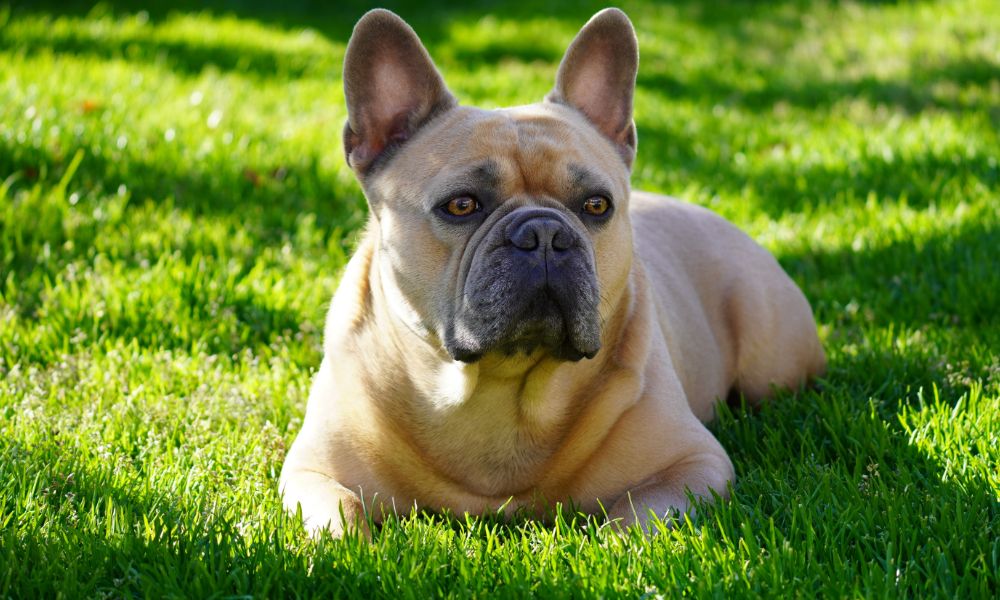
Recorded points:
(666, 493)
(326, 505)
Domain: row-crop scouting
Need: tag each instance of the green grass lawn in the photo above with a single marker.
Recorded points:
(175, 212)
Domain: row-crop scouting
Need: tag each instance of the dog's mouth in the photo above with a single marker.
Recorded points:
(545, 323)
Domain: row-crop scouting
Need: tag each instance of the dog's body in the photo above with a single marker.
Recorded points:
(562, 341)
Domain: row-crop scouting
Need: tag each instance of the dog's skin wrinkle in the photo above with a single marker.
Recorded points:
(482, 182)
(682, 305)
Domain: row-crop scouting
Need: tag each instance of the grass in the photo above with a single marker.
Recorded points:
(175, 211)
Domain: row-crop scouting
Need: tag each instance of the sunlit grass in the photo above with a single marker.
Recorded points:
(175, 211)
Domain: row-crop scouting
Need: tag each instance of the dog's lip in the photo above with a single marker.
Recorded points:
(566, 350)
(470, 358)
(463, 354)
(579, 355)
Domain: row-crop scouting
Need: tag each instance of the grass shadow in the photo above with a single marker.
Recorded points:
(780, 188)
(928, 87)
(948, 281)
(267, 198)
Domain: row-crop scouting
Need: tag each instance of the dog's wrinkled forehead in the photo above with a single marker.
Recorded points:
(539, 150)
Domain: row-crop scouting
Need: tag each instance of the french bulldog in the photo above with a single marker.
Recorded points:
(517, 328)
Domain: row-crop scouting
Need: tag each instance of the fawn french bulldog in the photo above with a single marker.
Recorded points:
(517, 326)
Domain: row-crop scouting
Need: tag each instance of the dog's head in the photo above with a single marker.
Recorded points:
(498, 230)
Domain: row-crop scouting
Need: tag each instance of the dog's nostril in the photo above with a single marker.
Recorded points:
(541, 232)
(524, 237)
(562, 240)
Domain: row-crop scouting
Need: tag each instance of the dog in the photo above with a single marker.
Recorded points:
(517, 328)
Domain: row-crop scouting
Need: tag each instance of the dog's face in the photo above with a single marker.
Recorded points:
(499, 231)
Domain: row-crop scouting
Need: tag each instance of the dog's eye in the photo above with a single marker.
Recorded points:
(462, 206)
(596, 205)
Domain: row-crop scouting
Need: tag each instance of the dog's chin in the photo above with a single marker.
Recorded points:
(564, 352)
(557, 343)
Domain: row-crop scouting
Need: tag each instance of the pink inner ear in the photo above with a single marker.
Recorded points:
(590, 91)
(395, 90)
(386, 118)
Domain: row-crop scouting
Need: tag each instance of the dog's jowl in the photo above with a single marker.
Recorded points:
(518, 327)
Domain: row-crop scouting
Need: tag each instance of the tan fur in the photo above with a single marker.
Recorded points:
(691, 308)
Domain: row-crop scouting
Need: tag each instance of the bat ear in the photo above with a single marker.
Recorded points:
(597, 77)
(392, 88)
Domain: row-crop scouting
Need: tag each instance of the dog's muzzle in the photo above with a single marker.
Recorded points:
(532, 284)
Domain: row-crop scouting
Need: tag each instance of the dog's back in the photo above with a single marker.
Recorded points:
(732, 318)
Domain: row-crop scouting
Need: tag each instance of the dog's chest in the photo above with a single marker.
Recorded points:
(498, 442)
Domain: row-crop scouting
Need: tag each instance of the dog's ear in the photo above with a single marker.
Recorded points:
(597, 77)
(391, 87)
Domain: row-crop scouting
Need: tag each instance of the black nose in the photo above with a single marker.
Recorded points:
(541, 233)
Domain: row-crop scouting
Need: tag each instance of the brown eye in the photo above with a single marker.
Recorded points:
(462, 206)
(596, 205)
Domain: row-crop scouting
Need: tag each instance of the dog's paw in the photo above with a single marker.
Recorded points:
(346, 518)
(626, 515)
(326, 505)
